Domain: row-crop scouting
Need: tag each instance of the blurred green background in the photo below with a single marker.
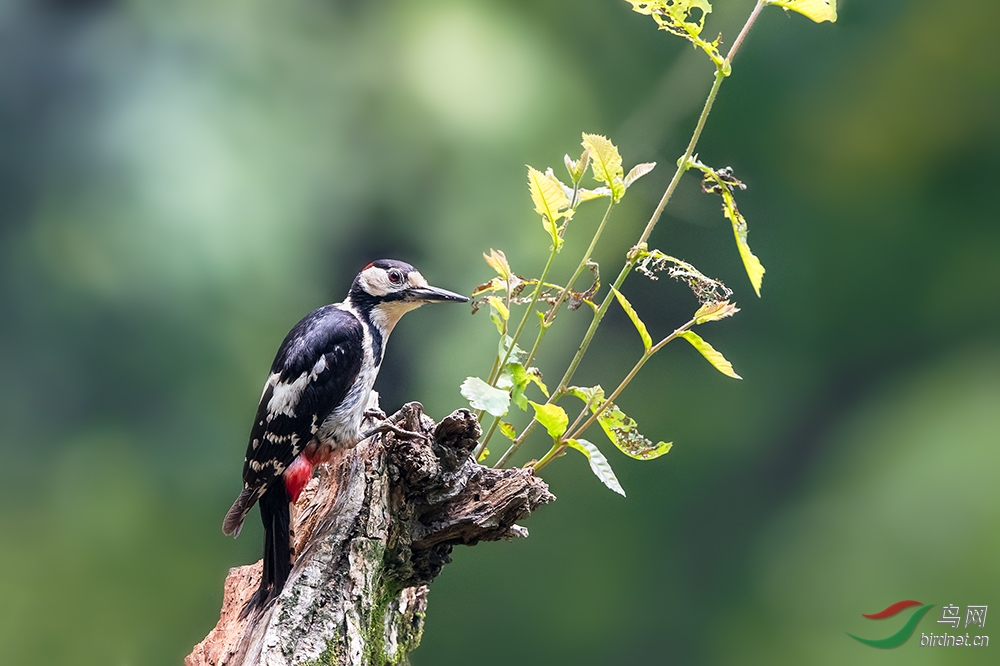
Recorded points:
(180, 182)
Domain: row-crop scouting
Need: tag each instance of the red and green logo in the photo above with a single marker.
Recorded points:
(904, 633)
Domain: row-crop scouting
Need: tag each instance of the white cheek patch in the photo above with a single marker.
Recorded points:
(375, 281)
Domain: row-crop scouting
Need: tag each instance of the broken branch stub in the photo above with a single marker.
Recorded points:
(370, 532)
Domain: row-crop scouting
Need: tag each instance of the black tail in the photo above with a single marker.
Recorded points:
(274, 513)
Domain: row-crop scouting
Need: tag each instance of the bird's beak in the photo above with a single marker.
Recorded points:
(430, 294)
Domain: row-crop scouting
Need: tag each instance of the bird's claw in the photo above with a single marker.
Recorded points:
(375, 413)
(386, 426)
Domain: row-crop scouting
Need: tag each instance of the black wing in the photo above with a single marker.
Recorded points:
(312, 372)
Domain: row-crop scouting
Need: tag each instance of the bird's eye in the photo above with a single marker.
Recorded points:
(395, 277)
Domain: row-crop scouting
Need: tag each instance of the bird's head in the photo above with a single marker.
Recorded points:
(388, 289)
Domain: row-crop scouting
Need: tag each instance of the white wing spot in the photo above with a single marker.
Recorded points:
(285, 397)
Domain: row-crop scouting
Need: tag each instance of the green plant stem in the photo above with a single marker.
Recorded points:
(575, 431)
(628, 378)
(486, 440)
(524, 318)
(682, 166)
(550, 317)
(746, 28)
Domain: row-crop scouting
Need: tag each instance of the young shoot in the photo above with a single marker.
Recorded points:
(515, 301)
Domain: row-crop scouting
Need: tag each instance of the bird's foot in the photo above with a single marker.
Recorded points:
(375, 413)
(405, 423)
(386, 426)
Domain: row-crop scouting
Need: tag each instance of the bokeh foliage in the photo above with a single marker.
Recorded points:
(182, 181)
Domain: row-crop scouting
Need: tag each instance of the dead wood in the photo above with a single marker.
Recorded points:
(371, 530)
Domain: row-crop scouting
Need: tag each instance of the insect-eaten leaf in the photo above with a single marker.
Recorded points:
(723, 182)
(817, 10)
(552, 417)
(598, 464)
(684, 18)
(624, 433)
(549, 196)
(620, 429)
(711, 355)
(482, 396)
(679, 12)
(707, 290)
(647, 341)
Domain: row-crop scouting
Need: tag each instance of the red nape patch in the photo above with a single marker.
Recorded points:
(367, 267)
(297, 476)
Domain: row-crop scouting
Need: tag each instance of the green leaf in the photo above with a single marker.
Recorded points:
(714, 311)
(647, 341)
(498, 262)
(516, 378)
(586, 195)
(617, 189)
(483, 396)
(551, 202)
(507, 430)
(577, 168)
(755, 271)
(534, 376)
(598, 464)
(494, 285)
(516, 355)
(552, 417)
(589, 394)
(498, 314)
(606, 162)
(637, 172)
(711, 355)
(817, 10)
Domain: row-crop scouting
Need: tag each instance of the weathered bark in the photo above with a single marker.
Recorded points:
(370, 532)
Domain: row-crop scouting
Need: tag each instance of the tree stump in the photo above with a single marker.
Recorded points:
(370, 531)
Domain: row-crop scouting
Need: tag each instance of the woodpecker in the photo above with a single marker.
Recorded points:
(314, 400)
